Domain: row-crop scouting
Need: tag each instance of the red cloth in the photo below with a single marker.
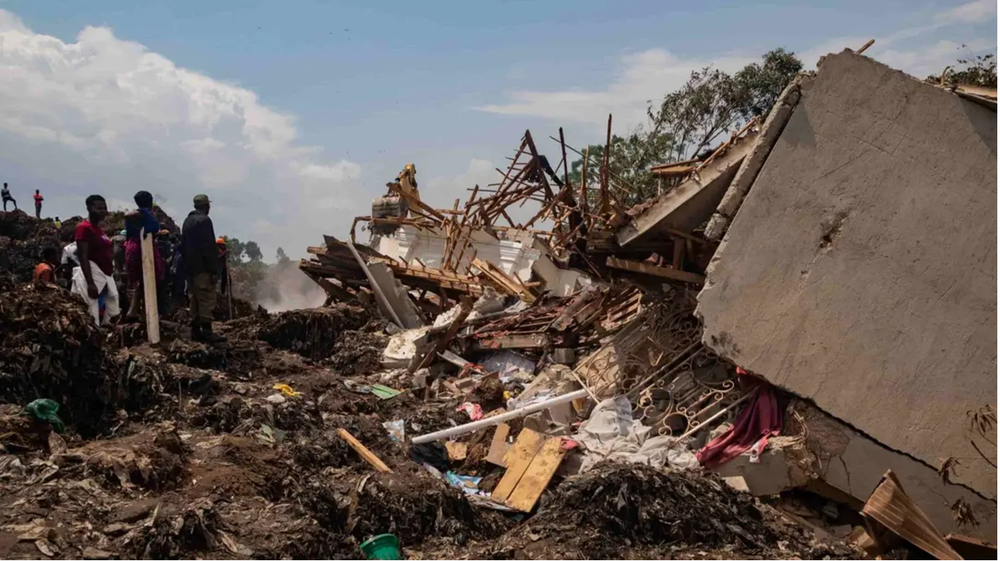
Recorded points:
(98, 245)
(38, 199)
(760, 419)
(133, 263)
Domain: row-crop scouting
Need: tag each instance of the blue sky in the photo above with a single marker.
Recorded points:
(293, 115)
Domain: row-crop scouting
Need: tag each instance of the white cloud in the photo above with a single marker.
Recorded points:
(645, 76)
(648, 75)
(930, 59)
(977, 11)
(107, 115)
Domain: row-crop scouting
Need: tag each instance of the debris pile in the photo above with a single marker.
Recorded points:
(475, 386)
(651, 512)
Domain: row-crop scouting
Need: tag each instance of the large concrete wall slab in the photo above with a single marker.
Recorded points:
(860, 271)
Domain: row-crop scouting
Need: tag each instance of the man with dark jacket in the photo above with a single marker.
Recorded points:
(201, 259)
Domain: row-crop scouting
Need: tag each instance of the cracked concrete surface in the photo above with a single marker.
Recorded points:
(860, 272)
(821, 448)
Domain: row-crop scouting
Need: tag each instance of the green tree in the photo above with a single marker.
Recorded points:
(282, 257)
(688, 121)
(978, 70)
(252, 252)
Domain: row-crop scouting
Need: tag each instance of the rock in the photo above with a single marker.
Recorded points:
(276, 399)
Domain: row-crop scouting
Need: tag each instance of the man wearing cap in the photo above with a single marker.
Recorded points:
(201, 259)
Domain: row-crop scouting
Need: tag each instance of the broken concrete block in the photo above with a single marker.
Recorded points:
(874, 286)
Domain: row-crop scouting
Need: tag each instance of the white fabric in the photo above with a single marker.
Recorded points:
(611, 433)
(101, 281)
(69, 255)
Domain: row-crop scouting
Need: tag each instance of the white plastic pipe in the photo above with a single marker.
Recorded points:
(483, 423)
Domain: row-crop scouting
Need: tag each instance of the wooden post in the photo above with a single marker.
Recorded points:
(605, 177)
(149, 288)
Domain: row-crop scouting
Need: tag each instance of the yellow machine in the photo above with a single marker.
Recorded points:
(396, 202)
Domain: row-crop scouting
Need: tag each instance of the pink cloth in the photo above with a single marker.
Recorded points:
(760, 419)
(133, 263)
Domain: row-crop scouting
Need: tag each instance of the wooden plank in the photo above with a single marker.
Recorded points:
(366, 454)
(653, 270)
(891, 507)
(534, 481)
(518, 460)
(149, 288)
(457, 451)
(332, 290)
(498, 446)
(527, 341)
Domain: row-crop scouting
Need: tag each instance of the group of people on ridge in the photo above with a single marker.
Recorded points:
(8, 198)
(94, 261)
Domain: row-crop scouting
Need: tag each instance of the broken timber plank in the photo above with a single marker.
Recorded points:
(498, 446)
(536, 478)
(649, 269)
(518, 460)
(382, 300)
(891, 507)
(527, 341)
(366, 454)
(457, 451)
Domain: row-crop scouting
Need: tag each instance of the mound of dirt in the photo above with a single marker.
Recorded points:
(312, 333)
(360, 352)
(593, 515)
(19, 225)
(50, 348)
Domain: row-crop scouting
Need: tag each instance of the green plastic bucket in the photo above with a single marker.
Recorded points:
(382, 546)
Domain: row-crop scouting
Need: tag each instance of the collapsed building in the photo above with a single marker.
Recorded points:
(841, 249)
(787, 353)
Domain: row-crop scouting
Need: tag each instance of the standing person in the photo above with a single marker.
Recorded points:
(136, 222)
(5, 193)
(223, 264)
(46, 270)
(38, 203)
(93, 280)
(201, 259)
(166, 250)
(178, 274)
(57, 223)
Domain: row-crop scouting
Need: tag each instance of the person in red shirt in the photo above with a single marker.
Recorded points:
(92, 244)
(38, 203)
(46, 270)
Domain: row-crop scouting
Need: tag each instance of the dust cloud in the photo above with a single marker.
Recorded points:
(286, 288)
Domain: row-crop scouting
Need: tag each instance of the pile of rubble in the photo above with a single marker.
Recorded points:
(566, 386)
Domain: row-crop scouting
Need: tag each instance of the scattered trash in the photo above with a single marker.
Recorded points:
(457, 451)
(397, 430)
(384, 392)
(45, 410)
(611, 434)
(286, 389)
(270, 435)
(383, 546)
(378, 390)
(467, 483)
(275, 399)
(473, 410)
